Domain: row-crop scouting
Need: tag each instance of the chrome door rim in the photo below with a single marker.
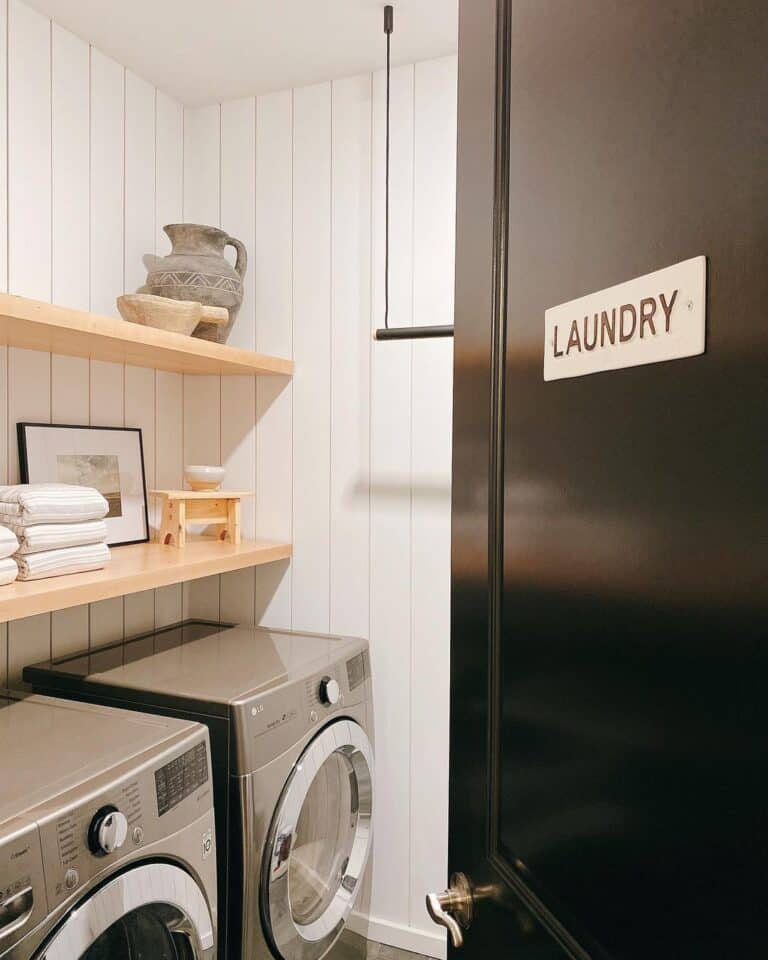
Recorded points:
(142, 886)
(311, 941)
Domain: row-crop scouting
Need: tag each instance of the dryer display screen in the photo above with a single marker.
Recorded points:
(356, 671)
(182, 776)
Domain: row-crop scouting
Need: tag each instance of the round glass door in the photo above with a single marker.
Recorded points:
(318, 843)
(153, 912)
(147, 932)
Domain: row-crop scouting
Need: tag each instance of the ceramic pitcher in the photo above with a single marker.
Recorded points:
(196, 269)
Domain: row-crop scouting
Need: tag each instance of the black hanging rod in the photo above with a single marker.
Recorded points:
(413, 333)
(386, 332)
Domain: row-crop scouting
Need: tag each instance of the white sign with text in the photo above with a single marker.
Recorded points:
(660, 316)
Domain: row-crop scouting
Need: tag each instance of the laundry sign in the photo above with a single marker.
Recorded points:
(660, 316)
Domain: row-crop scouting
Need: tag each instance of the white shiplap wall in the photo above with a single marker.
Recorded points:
(351, 459)
(94, 168)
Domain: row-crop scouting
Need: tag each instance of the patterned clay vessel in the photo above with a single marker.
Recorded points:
(196, 269)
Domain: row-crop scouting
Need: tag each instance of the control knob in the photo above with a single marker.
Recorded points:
(107, 831)
(329, 691)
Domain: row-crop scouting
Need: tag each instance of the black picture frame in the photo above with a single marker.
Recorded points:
(21, 433)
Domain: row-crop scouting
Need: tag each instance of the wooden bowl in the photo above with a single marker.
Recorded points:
(175, 316)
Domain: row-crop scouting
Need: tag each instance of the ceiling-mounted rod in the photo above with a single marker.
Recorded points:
(389, 26)
(386, 332)
(413, 333)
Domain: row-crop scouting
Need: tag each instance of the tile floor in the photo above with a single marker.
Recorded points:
(379, 951)
(354, 947)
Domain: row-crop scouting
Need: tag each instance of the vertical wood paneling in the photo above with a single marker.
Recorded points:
(350, 351)
(70, 403)
(140, 412)
(70, 61)
(29, 397)
(169, 457)
(433, 255)
(29, 152)
(169, 169)
(107, 622)
(107, 408)
(139, 383)
(107, 394)
(202, 145)
(312, 354)
(29, 641)
(107, 182)
(238, 455)
(139, 404)
(274, 335)
(70, 390)
(70, 376)
(202, 437)
(70, 386)
(238, 203)
(390, 631)
(202, 444)
(139, 178)
(69, 631)
(238, 394)
(70, 178)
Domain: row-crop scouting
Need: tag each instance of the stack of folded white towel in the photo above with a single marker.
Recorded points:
(49, 529)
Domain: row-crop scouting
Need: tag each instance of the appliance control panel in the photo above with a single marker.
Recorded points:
(180, 777)
(122, 815)
(279, 717)
(22, 885)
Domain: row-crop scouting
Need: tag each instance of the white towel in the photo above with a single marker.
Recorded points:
(55, 563)
(8, 542)
(30, 503)
(55, 536)
(8, 571)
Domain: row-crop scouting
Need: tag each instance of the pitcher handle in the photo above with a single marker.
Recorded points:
(242, 255)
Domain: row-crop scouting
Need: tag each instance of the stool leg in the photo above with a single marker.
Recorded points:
(232, 532)
(173, 531)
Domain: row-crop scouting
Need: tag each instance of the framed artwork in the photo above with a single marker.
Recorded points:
(111, 459)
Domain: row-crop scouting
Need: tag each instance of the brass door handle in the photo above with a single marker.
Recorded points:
(453, 908)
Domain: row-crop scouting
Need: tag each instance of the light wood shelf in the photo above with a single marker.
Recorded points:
(133, 568)
(42, 326)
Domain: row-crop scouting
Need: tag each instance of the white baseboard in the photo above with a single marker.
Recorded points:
(426, 942)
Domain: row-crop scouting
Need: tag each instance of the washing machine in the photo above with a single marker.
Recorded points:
(107, 844)
(290, 719)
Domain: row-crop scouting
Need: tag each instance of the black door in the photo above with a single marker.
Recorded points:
(610, 555)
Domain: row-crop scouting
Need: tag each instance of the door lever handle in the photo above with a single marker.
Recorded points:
(453, 908)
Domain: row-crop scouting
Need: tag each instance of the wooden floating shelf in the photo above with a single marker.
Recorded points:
(36, 325)
(133, 568)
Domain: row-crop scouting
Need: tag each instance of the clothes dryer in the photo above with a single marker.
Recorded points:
(107, 843)
(290, 718)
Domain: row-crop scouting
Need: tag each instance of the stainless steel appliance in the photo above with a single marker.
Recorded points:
(291, 727)
(106, 835)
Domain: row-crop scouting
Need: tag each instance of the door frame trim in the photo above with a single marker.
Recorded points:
(496, 860)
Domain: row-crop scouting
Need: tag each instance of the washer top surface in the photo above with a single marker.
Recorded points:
(224, 666)
(49, 746)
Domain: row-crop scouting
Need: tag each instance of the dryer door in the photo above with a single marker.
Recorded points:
(318, 843)
(154, 910)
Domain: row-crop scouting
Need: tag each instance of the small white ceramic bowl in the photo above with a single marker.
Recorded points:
(201, 477)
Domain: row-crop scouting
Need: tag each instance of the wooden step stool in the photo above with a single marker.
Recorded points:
(180, 507)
